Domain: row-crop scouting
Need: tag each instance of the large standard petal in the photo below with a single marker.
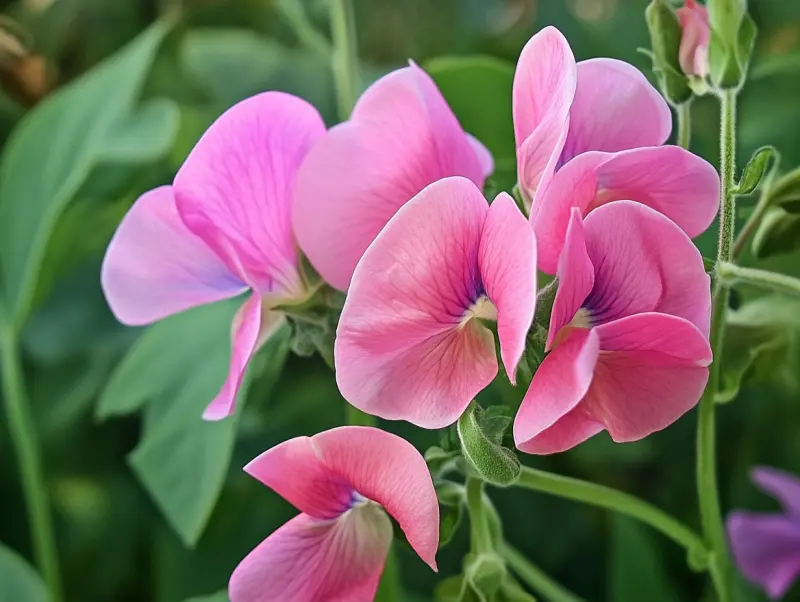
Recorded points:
(507, 260)
(405, 348)
(155, 266)
(235, 189)
(313, 560)
(557, 388)
(401, 137)
(783, 485)
(766, 548)
(615, 108)
(652, 369)
(669, 179)
(644, 263)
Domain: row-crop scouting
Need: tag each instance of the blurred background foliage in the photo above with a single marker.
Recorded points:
(151, 504)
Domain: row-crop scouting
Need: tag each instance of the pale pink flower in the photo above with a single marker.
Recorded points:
(344, 482)
(693, 52)
(222, 228)
(590, 133)
(400, 137)
(410, 344)
(628, 335)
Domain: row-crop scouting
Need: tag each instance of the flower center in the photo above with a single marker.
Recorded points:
(581, 319)
(483, 309)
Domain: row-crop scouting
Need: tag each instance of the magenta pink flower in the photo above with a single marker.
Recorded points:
(221, 229)
(693, 52)
(401, 137)
(628, 334)
(767, 546)
(408, 345)
(590, 133)
(343, 481)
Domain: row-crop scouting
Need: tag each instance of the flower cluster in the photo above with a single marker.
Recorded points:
(388, 207)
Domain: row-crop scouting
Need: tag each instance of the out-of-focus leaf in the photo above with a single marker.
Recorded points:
(778, 232)
(636, 570)
(18, 580)
(145, 134)
(52, 152)
(218, 597)
(786, 191)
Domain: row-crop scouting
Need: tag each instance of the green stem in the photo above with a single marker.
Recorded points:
(684, 112)
(760, 210)
(731, 274)
(535, 577)
(29, 461)
(296, 17)
(707, 488)
(345, 55)
(611, 499)
(481, 535)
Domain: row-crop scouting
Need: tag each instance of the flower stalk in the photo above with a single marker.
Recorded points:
(535, 577)
(731, 274)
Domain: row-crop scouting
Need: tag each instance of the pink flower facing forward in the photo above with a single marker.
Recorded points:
(628, 335)
(341, 480)
(221, 229)
(767, 546)
(401, 137)
(693, 52)
(408, 346)
(591, 133)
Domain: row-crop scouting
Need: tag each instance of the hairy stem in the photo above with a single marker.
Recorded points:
(535, 577)
(481, 535)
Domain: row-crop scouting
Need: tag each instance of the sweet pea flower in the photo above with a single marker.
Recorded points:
(767, 546)
(408, 345)
(696, 36)
(344, 482)
(591, 133)
(400, 137)
(628, 337)
(223, 228)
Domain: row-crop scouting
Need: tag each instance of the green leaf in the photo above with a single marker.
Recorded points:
(778, 232)
(50, 154)
(480, 446)
(755, 169)
(218, 597)
(451, 496)
(478, 89)
(18, 580)
(786, 191)
(145, 134)
(636, 570)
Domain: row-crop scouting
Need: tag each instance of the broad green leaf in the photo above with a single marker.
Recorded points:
(52, 152)
(183, 460)
(478, 89)
(636, 570)
(18, 580)
(146, 134)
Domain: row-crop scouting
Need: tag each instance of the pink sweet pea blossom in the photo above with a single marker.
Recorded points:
(222, 228)
(628, 335)
(408, 345)
(590, 133)
(401, 137)
(693, 52)
(767, 546)
(344, 482)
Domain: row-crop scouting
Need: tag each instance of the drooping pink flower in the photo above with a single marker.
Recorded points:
(401, 137)
(344, 482)
(767, 546)
(408, 345)
(693, 52)
(222, 228)
(628, 338)
(591, 133)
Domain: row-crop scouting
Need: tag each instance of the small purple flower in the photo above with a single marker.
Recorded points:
(767, 546)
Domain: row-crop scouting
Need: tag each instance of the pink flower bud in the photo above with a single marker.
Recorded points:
(693, 53)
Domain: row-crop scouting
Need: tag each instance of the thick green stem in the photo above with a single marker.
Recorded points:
(29, 462)
(481, 535)
(611, 499)
(684, 112)
(345, 55)
(731, 274)
(535, 577)
(707, 488)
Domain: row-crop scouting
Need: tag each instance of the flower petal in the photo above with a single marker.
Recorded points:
(669, 179)
(695, 38)
(252, 326)
(557, 388)
(783, 485)
(652, 370)
(615, 109)
(507, 259)
(310, 560)
(155, 266)
(234, 190)
(767, 549)
(405, 348)
(401, 137)
(644, 263)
